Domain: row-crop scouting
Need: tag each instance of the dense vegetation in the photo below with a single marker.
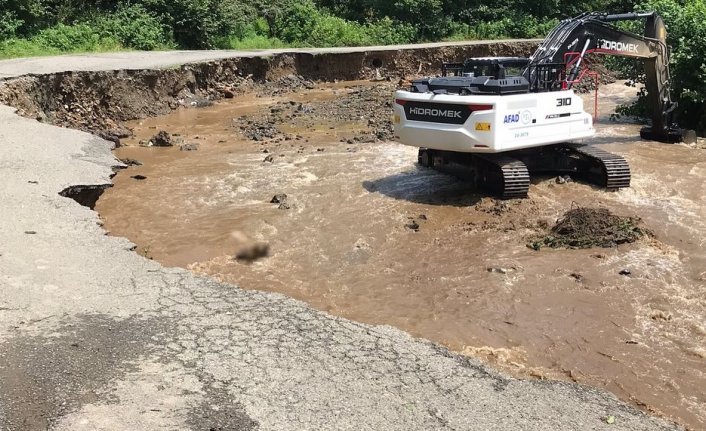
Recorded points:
(61, 25)
(31, 27)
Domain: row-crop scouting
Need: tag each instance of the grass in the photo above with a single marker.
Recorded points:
(16, 48)
(254, 42)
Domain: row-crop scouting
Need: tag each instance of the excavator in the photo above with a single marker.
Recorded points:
(496, 120)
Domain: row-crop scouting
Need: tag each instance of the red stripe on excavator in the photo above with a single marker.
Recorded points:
(475, 108)
(400, 102)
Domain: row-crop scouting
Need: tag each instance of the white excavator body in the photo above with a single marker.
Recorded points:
(490, 123)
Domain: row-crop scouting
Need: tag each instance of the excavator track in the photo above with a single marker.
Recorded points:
(510, 177)
(614, 171)
(497, 174)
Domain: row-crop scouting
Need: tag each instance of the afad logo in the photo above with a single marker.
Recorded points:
(512, 118)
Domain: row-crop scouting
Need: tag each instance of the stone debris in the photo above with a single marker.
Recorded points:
(563, 179)
(281, 199)
(188, 147)
(131, 162)
(162, 139)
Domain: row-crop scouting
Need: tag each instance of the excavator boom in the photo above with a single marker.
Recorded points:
(593, 33)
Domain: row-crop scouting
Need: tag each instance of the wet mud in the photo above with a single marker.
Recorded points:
(366, 234)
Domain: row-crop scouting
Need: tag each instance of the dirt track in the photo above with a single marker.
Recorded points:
(367, 235)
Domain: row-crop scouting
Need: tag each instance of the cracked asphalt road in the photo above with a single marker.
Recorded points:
(95, 337)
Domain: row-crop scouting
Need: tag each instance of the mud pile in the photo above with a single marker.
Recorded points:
(369, 105)
(373, 104)
(591, 227)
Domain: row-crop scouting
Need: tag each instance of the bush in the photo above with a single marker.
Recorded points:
(333, 31)
(201, 23)
(134, 27)
(296, 22)
(72, 38)
(387, 32)
(60, 39)
(301, 22)
(9, 23)
(24, 48)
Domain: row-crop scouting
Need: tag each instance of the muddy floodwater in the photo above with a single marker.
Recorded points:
(368, 235)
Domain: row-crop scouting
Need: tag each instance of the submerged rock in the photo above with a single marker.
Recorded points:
(188, 147)
(162, 139)
(131, 162)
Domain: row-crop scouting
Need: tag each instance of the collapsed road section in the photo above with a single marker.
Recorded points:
(95, 336)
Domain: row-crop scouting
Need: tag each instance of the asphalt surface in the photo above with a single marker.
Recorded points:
(94, 336)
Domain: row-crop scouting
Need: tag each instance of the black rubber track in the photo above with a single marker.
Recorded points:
(616, 168)
(510, 177)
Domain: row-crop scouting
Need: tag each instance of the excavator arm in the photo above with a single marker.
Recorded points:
(593, 33)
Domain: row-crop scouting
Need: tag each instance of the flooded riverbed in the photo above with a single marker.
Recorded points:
(370, 236)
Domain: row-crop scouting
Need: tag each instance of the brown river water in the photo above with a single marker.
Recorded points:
(465, 278)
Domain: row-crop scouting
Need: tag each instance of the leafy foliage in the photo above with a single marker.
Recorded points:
(686, 34)
(135, 27)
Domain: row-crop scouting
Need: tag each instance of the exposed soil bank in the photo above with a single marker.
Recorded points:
(99, 101)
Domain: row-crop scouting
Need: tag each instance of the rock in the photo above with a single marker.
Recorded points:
(661, 315)
(625, 272)
(109, 136)
(202, 103)
(576, 276)
(30, 232)
(131, 162)
(188, 147)
(162, 139)
(563, 179)
(227, 93)
(269, 159)
(139, 177)
(413, 225)
(498, 270)
(280, 198)
(253, 252)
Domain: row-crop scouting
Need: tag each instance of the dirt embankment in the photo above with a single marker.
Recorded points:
(99, 101)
